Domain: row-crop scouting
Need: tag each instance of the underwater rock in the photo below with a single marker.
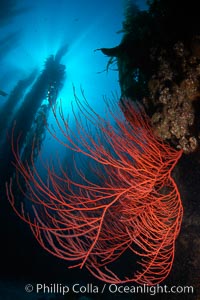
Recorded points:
(174, 97)
(159, 66)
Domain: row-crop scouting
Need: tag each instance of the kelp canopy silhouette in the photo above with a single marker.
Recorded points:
(133, 207)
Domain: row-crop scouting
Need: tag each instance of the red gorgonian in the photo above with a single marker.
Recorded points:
(125, 203)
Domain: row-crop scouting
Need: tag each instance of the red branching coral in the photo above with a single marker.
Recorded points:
(133, 206)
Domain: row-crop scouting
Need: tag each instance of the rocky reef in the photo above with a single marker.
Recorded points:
(159, 65)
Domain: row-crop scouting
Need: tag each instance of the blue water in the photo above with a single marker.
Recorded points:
(43, 26)
(37, 29)
(31, 31)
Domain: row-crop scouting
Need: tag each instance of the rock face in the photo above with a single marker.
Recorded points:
(168, 86)
(174, 95)
(159, 65)
(186, 268)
